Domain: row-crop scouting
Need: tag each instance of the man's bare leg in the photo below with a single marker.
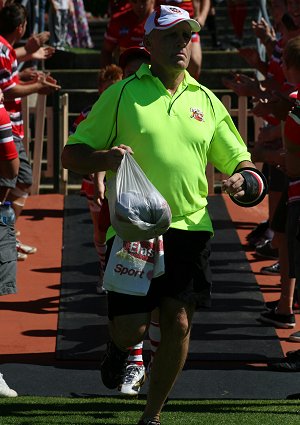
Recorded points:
(129, 330)
(175, 325)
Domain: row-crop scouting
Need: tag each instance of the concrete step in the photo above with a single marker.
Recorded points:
(81, 98)
(77, 61)
(74, 59)
(86, 79)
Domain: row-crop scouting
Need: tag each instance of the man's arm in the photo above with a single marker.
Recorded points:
(233, 185)
(44, 84)
(82, 159)
(9, 169)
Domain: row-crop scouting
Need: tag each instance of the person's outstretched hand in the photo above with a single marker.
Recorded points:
(35, 41)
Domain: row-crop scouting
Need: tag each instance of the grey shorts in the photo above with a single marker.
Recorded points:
(8, 260)
(24, 176)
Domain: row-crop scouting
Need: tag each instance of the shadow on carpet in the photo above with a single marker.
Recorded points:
(229, 331)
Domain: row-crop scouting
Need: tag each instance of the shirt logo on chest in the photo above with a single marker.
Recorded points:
(197, 114)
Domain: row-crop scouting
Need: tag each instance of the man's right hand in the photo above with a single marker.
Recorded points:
(115, 156)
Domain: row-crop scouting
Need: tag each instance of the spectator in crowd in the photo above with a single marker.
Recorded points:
(125, 29)
(78, 27)
(170, 156)
(198, 10)
(58, 17)
(98, 208)
(12, 27)
(9, 166)
(237, 12)
(291, 164)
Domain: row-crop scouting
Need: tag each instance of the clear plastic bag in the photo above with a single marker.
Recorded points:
(137, 210)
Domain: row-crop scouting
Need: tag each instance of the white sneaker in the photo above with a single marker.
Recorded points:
(25, 249)
(99, 287)
(133, 379)
(5, 391)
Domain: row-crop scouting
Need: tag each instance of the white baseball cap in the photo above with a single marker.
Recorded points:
(164, 17)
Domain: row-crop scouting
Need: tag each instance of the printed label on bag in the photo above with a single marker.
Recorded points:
(130, 272)
(143, 250)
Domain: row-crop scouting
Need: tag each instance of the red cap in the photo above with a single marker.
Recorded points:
(135, 52)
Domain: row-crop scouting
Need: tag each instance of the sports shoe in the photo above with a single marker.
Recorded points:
(99, 287)
(21, 256)
(295, 354)
(258, 232)
(25, 249)
(133, 379)
(149, 422)
(286, 365)
(5, 391)
(113, 366)
(284, 321)
(266, 250)
(295, 337)
(273, 270)
(271, 305)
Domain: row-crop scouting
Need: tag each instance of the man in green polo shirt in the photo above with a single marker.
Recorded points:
(173, 126)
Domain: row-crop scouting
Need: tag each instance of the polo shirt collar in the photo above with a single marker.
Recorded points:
(144, 70)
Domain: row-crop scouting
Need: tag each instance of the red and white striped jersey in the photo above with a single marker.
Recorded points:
(9, 77)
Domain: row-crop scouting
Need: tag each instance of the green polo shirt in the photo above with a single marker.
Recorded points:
(172, 137)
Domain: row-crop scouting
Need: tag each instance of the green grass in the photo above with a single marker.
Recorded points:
(118, 411)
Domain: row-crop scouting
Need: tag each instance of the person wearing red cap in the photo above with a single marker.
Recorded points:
(125, 29)
(173, 126)
(198, 10)
(131, 59)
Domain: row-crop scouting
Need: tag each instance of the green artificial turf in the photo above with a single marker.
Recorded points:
(118, 411)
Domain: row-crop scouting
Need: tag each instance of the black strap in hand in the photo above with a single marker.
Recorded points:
(255, 186)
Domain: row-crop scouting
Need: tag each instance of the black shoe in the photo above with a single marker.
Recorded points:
(149, 422)
(295, 337)
(295, 354)
(271, 305)
(267, 251)
(284, 321)
(273, 270)
(286, 365)
(259, 230)
(113, 366)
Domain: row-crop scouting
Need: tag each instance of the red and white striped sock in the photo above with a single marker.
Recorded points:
(101, 249)
(136, 355)
(154, 337)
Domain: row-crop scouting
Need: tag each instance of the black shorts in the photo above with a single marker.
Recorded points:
(293, 234)
(25, 173)
(187, 276)
(278, 223)
(277, 180)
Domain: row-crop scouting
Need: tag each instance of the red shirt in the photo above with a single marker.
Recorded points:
(9, 77)
(125, 30)
(8, 149)
(292, 132)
